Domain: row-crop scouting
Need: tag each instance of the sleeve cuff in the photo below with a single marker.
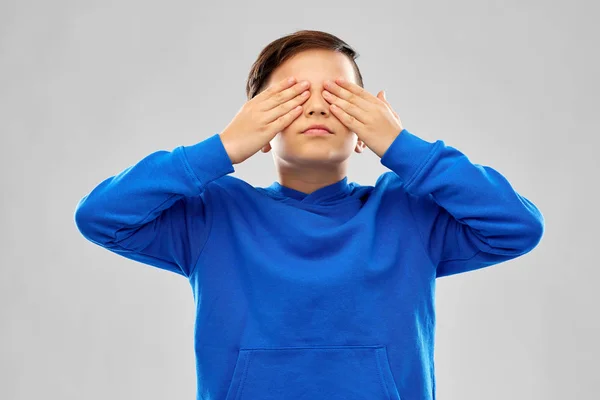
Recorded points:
(207, 160)
(407, 154)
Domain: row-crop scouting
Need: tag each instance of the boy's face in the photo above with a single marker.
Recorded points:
(291, 145)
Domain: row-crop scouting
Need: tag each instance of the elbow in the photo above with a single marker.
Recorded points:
(533, 235)
(84, 221)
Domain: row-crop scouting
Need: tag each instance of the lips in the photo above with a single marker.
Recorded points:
(317, 129)
(316, 132)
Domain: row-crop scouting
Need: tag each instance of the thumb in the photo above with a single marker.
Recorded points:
(381, 96)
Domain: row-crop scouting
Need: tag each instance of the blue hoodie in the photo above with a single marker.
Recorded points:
(328, 295)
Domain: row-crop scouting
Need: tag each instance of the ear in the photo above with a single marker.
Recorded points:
(360, 146)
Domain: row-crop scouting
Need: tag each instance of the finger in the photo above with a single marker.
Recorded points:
(351, 97)
(276, 98)
(284, 120)
(275, 87)
(348, 107)
(284, 108)
(348, 120)
(356, 89)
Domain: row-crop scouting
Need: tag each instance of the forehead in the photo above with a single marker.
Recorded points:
(315, 65)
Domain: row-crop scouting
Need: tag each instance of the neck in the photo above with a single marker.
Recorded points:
(307, 179)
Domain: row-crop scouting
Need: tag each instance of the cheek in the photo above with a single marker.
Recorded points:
(295, 125)
(289, 130)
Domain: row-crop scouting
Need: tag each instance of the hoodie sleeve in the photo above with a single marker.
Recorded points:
(468, 215)
(156, 211)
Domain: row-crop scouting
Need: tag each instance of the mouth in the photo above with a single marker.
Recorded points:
(317, 130)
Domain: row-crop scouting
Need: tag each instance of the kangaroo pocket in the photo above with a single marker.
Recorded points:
(328, 372)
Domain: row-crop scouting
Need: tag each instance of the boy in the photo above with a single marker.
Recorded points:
(313, 287)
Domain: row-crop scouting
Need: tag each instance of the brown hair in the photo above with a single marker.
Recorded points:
(276, 52)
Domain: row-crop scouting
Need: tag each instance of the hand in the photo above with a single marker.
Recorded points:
(262, 118)
(371, 118)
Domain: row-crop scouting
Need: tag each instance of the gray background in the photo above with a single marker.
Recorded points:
(89, 88)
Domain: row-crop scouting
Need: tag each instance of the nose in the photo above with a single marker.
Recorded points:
(316, 104)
